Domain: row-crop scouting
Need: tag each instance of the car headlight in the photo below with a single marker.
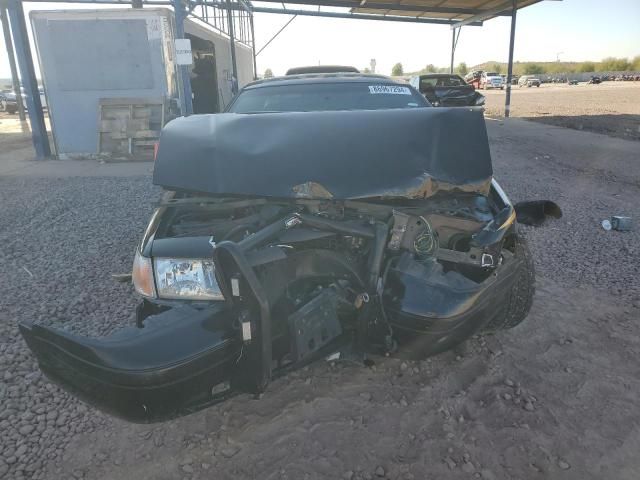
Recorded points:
(480, 100)
(188, 279)
(142, 276)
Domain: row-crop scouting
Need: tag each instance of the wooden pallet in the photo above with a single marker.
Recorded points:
(129, 127)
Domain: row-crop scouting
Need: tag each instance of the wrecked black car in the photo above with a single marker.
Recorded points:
(320, 212)
(447, 90)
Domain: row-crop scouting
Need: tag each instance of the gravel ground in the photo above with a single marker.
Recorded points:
(61, 239)
(555, 398)
(612, 108)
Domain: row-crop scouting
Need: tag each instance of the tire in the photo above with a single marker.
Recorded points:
(521, 295)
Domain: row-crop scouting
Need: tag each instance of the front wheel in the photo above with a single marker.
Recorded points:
(522, 290)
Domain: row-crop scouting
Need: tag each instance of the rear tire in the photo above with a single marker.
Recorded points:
(522, 291)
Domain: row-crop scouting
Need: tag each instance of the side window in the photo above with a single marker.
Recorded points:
(427, 83)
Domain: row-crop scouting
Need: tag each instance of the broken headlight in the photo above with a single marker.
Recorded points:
(142, 276)
(188, 279)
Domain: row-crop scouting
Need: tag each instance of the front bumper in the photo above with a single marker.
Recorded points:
(166, 369)
(451, 312)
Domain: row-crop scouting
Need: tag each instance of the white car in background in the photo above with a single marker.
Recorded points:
(491, 80)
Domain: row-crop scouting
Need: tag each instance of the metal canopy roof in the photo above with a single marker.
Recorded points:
(452, 12)
(238, 14)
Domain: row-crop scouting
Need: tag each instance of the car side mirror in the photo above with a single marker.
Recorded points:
(535, 212)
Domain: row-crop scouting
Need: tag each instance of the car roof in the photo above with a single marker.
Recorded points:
(310, 78)
(435, 75)
(322, 69)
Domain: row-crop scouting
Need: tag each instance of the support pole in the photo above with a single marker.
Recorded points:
(186, 100)
(276, 35)
(232, 42)
(453, 48)
(28, 77)
(507, 101)
(15, 81)
(253, 44)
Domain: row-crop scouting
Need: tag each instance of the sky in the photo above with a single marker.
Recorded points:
(571, 30)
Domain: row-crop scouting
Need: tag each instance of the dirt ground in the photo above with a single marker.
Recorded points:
(612, 108)
(557, 397)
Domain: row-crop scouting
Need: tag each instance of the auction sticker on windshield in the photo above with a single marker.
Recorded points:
(389, 90)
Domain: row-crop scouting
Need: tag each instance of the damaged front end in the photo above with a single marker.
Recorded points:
(241, 288)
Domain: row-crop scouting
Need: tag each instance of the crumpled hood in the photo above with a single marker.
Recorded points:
(409, 153)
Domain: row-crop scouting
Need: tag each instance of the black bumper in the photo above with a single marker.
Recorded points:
(173, 365)
(430, 314)
(164, 370)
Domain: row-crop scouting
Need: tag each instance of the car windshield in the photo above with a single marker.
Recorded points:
(310, 97)
(447, 81)
(492, 74)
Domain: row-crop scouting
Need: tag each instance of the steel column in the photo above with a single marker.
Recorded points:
(507, 101)
(453, 48)
(15, 81)
(28, 76)
(186, 99)
(232, 41)
(253, 45)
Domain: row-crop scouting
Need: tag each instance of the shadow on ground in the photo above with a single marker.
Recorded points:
(625, 126)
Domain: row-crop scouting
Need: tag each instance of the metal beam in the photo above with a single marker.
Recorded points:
(453, 48)
(28, 76)
(381, 6)
(253, 47)
(512, 38)
(108, 2)
(277, 33)
(232, 42)
(186, 99)
(484, 15)
(354, 16)
(15, 81)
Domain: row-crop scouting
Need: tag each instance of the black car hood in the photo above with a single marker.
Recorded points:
(408, 153)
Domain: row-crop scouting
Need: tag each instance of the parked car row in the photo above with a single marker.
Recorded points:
(528, 81)
(9, 104)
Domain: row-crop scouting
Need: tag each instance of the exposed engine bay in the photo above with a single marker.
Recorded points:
(298, 274)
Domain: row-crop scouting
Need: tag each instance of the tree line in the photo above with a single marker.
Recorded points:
(609, 64)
